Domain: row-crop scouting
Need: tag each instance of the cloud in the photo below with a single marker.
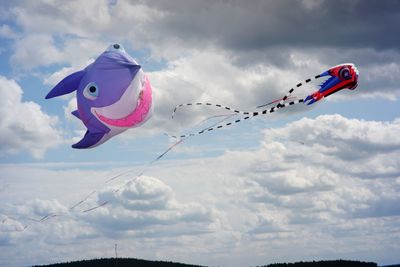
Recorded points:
(235, 25)
(24, 126)
(73, 18)
(36, 50)
(240, 26)
(42, 208)
(148, 206)
(57, 76)
(324, 169)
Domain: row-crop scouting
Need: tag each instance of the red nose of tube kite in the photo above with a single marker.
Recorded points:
(343, 76)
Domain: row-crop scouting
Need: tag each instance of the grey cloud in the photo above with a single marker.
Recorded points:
(382, 207)
(259, 24)
(306, 218)
(235, 25)
(266, 225)
(285, 41)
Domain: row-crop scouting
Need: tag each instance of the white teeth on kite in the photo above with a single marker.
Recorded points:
(132, 118)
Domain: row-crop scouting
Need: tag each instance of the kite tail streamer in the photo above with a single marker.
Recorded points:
(248, 114)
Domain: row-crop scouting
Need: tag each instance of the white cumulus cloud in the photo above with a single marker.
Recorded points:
(147, 206)
(23, 125)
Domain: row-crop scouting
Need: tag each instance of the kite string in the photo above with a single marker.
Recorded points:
(146, 167)
(83, 200)
(249, 115)
(73, 207)
(192, 84)
(116, 177)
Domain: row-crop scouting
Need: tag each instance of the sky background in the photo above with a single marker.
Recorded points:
(314, 183)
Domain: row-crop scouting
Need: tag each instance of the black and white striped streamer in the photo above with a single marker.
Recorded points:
(247, 114)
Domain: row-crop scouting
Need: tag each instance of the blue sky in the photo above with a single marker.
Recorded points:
(319, 182)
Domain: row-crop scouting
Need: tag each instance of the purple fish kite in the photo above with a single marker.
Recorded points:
(113, 95)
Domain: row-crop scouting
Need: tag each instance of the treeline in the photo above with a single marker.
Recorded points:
(341, 263)
(129, 262)
(119, 262)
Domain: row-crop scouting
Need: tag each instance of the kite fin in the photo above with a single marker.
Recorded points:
(76, 114)
(67, 85)
(89, 140)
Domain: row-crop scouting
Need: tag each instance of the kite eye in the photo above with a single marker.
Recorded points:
(116, 47)
(344, 73)
(91, 91)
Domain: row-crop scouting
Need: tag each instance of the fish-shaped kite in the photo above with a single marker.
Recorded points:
(340, 77)
(113, 94)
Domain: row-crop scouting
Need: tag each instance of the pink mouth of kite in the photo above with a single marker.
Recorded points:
(138, 115)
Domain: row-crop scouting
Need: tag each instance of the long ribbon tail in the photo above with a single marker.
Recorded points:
(96, 207)
(274, 101)
(248, 114)
(225, 117)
